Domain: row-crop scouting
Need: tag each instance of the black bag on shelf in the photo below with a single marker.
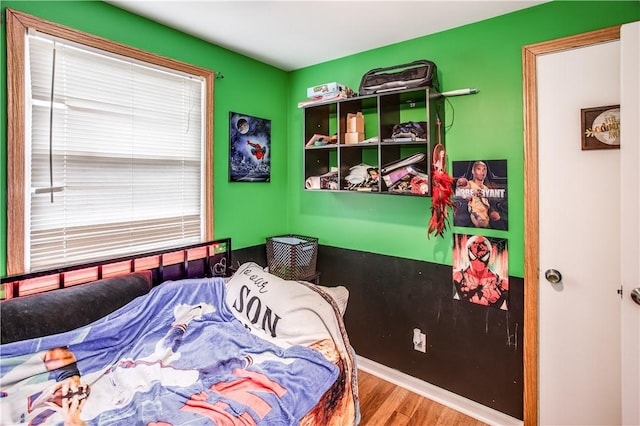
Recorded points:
(398, 77)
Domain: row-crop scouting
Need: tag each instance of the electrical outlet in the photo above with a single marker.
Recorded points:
(419, 340)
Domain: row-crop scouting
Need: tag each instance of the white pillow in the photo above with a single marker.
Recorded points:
(339, 294)
(284, 312)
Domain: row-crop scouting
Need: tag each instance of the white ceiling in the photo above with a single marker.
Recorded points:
(296, 34)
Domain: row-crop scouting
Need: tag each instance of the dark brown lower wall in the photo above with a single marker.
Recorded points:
(473, 351)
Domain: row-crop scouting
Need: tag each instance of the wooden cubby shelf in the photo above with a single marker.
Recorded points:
(359, 161)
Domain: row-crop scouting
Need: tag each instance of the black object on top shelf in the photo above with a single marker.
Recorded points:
(419, 73)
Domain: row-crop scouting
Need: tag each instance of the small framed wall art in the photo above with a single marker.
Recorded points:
(249, 148)
(600, 127)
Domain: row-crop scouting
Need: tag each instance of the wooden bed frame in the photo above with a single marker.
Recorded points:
(211, 258)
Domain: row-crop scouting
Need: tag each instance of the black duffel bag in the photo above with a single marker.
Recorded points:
(419, 73)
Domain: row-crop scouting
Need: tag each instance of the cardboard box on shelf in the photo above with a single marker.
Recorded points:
(351, 138)
(355, 128)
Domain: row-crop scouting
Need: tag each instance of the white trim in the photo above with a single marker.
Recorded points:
(439, 395)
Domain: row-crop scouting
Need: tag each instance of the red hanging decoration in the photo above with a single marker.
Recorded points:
(441, 190)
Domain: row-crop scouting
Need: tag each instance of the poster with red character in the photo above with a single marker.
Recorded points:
(249, 149)
(480, 270)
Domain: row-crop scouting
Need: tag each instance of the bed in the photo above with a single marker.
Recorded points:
(174, 338)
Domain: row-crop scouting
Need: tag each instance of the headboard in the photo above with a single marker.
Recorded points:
(58, 300)
(210, 258)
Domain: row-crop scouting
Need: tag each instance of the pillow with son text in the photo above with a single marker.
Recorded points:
(283, 312)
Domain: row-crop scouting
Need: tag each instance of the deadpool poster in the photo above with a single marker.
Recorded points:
(480, 270)
(250, 148)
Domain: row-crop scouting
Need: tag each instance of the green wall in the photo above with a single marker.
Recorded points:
(246, 212)
(486, 55)
(489, 125)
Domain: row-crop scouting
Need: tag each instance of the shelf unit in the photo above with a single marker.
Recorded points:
(381, 112)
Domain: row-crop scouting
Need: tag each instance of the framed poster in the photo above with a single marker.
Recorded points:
(480, 194)
(249, 148)
(600, 127)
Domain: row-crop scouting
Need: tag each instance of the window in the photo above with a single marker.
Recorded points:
(109, 148)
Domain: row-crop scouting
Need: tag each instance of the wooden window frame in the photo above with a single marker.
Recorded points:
(17, 24)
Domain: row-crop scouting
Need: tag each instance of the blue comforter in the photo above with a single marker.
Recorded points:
(176, 356)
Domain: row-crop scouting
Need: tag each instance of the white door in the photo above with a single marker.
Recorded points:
(630, 171)
(588, 231)
(579, 231)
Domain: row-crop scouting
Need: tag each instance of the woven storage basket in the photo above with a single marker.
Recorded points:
(292, 257)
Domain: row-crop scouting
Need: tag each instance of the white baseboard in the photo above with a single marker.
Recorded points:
(434, 393)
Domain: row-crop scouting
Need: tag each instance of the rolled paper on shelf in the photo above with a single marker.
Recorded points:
(312, 182)
(328, 180)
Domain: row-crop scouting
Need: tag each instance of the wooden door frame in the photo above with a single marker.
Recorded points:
(531, 213)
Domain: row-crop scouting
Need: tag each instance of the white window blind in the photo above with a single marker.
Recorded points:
(116, 155)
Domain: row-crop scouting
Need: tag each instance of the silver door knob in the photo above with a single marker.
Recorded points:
(553, 276)
(635, 295)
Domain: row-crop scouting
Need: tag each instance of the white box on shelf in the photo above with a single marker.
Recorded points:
(326, 89)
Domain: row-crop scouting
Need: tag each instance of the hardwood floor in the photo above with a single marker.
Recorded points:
(385, 404)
